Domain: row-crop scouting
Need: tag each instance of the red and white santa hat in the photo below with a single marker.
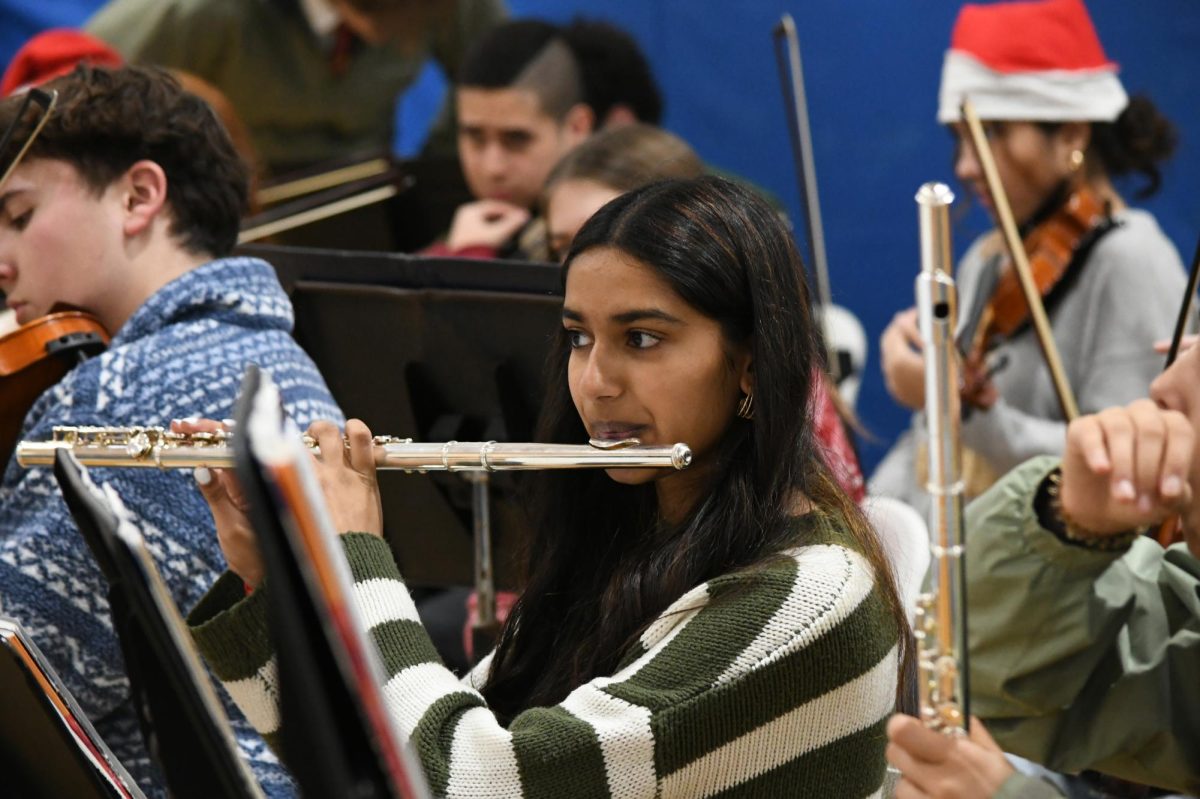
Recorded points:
(1029, 60)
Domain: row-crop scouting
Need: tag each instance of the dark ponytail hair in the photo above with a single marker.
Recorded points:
(1138, 140)
(603, 563)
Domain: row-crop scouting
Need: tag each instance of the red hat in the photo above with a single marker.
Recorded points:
(52, 53)
(1035, 59)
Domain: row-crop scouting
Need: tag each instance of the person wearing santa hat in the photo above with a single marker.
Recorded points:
(1084, 635)
(1060, 125)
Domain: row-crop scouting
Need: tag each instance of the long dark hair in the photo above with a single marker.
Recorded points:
(604, 564)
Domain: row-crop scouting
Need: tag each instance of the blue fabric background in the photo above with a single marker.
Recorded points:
(872, 70)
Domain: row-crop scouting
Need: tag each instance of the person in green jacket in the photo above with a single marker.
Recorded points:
(1084, 634)
(731, 629)
(313, 80)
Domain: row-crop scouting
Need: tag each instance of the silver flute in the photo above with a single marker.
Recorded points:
(157, 447)
(941, 629)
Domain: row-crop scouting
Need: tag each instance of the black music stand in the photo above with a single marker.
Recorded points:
(181, 718)
(434, 349)
(329, 680)
(47, 745)
(396, 270)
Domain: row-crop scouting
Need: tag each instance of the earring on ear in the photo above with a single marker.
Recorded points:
(1076, 160)
(745, 408)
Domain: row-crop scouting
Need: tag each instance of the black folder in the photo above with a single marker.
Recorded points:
(47, 746)
(182, 721)
(336, 736)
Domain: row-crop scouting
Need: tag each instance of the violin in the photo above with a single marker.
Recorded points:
(1053, 247)
(36, 356)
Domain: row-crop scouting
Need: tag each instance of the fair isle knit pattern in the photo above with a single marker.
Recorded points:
(776, 681)
(181, 354)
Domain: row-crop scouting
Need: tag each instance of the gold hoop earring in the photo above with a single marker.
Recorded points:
(1076, 160)
(745, 409)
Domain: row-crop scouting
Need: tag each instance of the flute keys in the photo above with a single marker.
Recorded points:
(139, 445)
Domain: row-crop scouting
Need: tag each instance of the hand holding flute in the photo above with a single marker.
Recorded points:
(345, 471)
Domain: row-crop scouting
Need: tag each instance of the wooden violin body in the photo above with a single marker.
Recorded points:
(1051, 247)
(34, 357)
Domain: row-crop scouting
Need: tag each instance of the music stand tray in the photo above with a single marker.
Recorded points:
(178, 707)
(47, 745)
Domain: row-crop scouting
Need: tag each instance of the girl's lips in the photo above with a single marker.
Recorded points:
(616, 432)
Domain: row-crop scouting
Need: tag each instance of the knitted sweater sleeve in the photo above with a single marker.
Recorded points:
(775, 681)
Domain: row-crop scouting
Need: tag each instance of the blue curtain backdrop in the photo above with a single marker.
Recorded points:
(872, 70)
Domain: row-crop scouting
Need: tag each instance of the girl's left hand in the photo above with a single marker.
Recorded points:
(346, 471)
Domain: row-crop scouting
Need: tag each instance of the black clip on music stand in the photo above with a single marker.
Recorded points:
(181, 717)
(337, 738)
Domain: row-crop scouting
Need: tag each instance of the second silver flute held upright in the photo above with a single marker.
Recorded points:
(156, 447)
(941, 618)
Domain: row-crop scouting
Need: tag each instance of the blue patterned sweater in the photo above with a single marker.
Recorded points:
(181, 354)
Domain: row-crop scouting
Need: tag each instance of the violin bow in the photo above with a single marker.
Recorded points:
(1185, 310)
(1168, 532)
(338, 200)
(791, 73)
(47, 100)
(1020, 261)
(292, 188)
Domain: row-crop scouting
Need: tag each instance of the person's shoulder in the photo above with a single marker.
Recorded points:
(177, 16)
(1136, 242)
(818, 584)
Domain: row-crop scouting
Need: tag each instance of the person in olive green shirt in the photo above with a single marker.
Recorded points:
(313, 80)
(1084, 637)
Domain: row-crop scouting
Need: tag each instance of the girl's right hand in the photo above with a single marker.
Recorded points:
(227, 503)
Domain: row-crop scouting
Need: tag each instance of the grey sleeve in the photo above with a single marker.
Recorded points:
(1021, 786)
(1007, 437)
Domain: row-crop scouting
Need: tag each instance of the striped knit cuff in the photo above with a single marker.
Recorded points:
(230, 628)
(370, 557)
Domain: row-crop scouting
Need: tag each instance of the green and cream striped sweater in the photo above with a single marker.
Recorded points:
(771, 682)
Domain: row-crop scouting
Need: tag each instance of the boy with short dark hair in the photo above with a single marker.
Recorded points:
(126, 206)
(520, 108)
(528, 93)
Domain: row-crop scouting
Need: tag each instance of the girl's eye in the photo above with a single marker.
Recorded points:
(577, 339)
(20, 221)
(642, 340)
